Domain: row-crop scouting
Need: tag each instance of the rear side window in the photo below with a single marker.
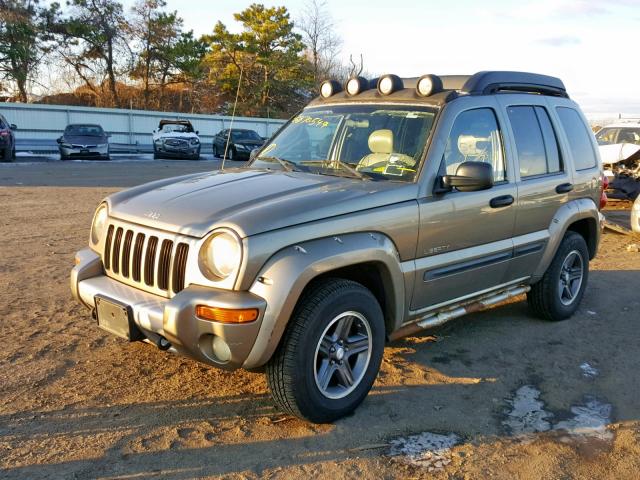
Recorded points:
(578, 137)
(535, 139)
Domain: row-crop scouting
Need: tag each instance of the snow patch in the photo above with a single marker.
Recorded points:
(427, 450)
(588, 370)
(527, 414)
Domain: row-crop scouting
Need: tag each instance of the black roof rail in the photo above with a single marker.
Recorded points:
(484, 83)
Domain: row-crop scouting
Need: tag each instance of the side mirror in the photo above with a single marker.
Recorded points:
(197, 132)
(13, 126)
(108, 135)
(59, 139)
(470, 177)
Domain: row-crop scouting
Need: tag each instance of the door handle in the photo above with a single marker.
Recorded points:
(501, 201)
(564, 188)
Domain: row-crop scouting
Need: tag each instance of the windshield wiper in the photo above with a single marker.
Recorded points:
(354, 173)
(288, 165)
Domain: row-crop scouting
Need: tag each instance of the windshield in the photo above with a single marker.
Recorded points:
(84, 130)
(611, 135)
(240, 135)
(174, 127)
(381, 142)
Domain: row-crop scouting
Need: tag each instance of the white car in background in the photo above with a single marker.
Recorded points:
(176, 139)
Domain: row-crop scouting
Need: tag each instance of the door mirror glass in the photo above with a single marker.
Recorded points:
(59, 140)
(13, 126)
(470, 177)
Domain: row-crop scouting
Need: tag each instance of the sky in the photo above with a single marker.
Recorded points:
(593, 46)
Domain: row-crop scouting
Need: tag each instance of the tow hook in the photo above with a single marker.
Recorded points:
(162, 343)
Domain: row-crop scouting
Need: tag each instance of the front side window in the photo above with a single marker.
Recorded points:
(535, 139)
(607, 136)
(579, 138)
(379, 142)
(475, 137)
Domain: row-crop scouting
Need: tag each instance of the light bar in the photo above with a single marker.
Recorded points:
(387, 84)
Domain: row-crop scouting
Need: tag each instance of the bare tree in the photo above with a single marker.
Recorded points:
(320, 38)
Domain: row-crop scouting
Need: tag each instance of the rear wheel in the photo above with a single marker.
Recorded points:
(6, 154)
(558, 295)
(330, 354)
(13, 153)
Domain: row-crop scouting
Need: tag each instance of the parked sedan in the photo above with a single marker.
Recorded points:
(241, 143)
(84, 140)
(7, 140)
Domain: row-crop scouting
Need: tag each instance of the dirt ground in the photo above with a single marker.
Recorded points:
(499, 394)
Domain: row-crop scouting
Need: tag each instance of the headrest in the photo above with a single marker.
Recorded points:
(470, 145)
(381, 141)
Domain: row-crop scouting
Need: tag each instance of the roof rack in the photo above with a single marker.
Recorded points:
(485, 83)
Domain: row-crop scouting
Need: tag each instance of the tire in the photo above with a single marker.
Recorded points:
(303, 362)
(156, 156)
(13, 154)
(216, 154)
(232, 154)
(558, 294)
(6, 155)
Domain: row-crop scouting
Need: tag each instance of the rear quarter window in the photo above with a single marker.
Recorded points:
(579, 138)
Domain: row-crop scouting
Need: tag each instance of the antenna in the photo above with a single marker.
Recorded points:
(233, 115)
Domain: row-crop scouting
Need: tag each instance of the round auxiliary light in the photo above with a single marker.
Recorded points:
(356, 85)
(388, 84)
(329, 87)
(428, 85)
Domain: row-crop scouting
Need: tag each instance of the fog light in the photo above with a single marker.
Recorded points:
(389, 84)
(220, 349)
(428, 85)
(329, 87)
(226, 315)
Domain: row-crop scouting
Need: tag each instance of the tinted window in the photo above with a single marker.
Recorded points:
(535, 141)
(578, 137)
(629, 135)
(475, 137)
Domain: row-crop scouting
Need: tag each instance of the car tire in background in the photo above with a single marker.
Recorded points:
(330, 354)
(6, 155)
(231, 154)
(215, 151)
(558, 294)
(13, 154)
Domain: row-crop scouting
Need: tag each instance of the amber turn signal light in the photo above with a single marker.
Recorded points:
(226, 315)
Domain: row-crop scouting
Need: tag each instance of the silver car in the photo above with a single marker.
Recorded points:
(84, 141)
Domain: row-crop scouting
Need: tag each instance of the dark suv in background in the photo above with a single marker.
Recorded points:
(7, 140)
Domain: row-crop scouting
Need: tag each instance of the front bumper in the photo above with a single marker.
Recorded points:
(177, 151)
(174, 318)
(90, 152)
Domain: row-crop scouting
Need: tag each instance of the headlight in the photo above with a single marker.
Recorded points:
(66, 145)
(195, 141)
(102, 145)
(240, 146)
(99, 223)
(221, 255)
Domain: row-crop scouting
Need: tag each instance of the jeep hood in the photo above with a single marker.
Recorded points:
(250, 201)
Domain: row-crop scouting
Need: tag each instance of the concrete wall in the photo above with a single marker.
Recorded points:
(40, 125)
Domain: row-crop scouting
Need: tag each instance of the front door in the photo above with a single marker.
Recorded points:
(465, 244)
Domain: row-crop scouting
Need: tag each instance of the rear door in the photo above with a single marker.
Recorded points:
(543, 180)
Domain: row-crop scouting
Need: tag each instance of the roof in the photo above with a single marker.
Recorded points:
(453, 86)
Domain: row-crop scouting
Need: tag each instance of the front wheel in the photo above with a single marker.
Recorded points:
(558, 295)
(330, 354)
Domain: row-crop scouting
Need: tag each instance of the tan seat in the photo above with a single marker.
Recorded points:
(381, 146)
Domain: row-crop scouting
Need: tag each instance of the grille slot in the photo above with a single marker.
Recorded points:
(126, 253)
(107, 248)
(150, 261)
(154, 263)
(180, 266)
(137, 257)
(115, 257)
(164, 264)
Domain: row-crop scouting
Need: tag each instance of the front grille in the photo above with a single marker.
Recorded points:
(151, 263)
